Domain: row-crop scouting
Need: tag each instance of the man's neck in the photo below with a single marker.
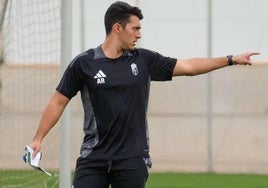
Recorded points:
(111, 50)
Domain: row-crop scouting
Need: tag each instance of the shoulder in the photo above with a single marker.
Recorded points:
(78, 59)
(146, 53)
(83, 57)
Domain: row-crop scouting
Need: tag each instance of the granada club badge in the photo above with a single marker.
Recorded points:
(134, 69)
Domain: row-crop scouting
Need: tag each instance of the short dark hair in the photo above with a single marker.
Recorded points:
(120, 12)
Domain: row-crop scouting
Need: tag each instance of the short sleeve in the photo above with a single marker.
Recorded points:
(160, 67)
(71, 81)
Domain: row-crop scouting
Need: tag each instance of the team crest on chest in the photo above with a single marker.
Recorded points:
(134, 69)
(100, 77)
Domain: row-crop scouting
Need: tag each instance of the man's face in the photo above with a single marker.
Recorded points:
(129, 35)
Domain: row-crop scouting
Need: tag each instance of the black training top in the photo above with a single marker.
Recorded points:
(114, 94)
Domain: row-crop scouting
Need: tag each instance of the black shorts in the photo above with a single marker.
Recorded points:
(127, 173)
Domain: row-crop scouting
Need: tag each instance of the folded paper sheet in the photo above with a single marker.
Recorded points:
(33, 162)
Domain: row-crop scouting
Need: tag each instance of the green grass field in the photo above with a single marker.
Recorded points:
(203, 180)
(33, 179)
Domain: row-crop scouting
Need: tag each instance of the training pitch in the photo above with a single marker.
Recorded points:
(28, 179)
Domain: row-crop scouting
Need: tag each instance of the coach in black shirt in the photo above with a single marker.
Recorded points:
(114, 82)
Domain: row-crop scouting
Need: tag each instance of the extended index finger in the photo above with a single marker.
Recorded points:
(254, 53)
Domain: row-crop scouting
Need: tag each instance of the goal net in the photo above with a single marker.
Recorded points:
(29, 72)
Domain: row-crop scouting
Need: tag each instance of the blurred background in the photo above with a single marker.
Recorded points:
(215, 122)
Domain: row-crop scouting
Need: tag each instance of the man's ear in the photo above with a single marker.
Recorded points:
(117, 27)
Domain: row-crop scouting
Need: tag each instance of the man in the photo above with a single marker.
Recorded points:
(113, 80)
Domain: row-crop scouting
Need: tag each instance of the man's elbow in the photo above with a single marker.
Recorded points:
(184, 68)
(191, 72)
